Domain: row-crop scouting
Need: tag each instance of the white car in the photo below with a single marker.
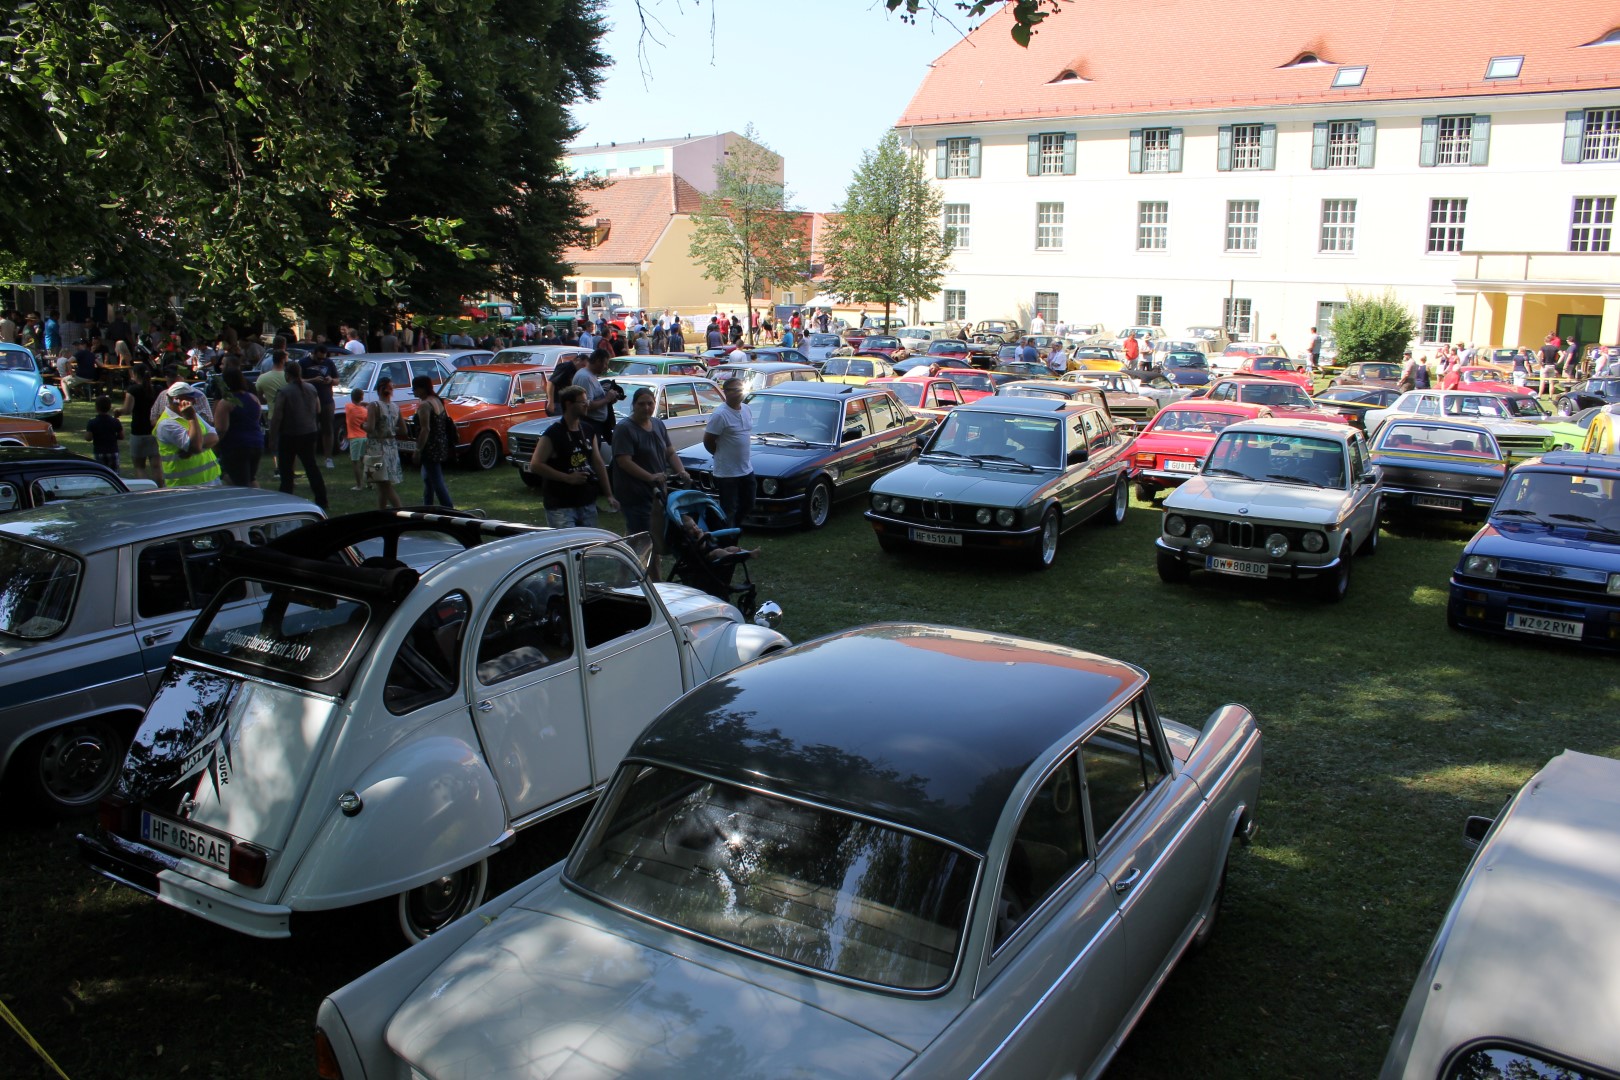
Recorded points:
(361, 372)
(545, 356)
(1289, 499)
(1523, 976)
(915, 338)
(329, 735)
(1495, 412)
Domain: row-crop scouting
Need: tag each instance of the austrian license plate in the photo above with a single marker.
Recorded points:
(1569, 629)
(205, 847)
(1239, 567)
(1437, 502)
(1181, 466)
(940, 539)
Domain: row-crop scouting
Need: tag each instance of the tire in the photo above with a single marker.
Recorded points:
(891, 545)
(1114, 513)
(72, 766)
(1566, 407)
(1206, 929)
(427, 909)
(1046, 548)
(58, 420)
(1369, 546)
(486, 451)
(1333, 587)
(1146, 493)
(818, 502)
(340, 435)
(1172, 571)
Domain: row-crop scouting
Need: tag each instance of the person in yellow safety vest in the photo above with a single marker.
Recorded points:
(186, 441)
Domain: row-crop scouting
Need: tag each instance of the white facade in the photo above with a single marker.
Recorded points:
(692, 159)
(1519, 204)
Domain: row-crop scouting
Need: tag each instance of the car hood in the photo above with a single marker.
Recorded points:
(562, 993)
(688, 605)
(989, 485)
(767, 460)
(19, 392)
(1260, 499)
(1566, 545)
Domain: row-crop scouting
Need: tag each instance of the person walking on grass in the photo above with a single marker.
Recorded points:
(383, 430)
(354, 429)
(105, 431)
(643, 458)
(241, 432)
(293, 432)
(435, 441)
(186, 440)
(139, 399)
(566, 459)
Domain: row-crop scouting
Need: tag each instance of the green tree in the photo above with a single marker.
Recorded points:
(886, 245)
(745, 232)
(1027, 14)
(249, 158)
(1372, 328)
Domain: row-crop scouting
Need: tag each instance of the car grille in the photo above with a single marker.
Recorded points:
(1247, 534)
(1524, 445)
(934, 510)
(522, 446)
(1132, 412)
(1551, 578)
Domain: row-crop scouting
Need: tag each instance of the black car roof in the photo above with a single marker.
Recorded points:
(1565, 460)
(927, 727)
(817, 389)
(22, 455)
(1026, 406)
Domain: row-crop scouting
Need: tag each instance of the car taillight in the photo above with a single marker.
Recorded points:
(1144, 459)
(248, 864)
(326, 1062)
(116, 815)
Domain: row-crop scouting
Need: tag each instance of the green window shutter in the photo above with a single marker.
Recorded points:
(1069, 140)
(1136, 150)
(1480, 151)
(1223, 149)
(973, 157)
(1428, 148)
(1034, 155)
(1574, 128)
(1365, 143)
(942, 153)
(1319, 145)
(1268, 146)
(1175, 149)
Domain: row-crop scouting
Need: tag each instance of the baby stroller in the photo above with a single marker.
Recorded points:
(694, 565)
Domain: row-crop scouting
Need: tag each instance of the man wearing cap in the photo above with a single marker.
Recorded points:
(186, 441)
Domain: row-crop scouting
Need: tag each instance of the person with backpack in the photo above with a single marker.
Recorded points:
(435, 441)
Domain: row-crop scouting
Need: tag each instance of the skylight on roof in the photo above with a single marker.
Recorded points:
(1504, 67)
(1349, 76)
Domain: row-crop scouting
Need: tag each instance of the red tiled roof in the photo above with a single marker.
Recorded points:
(1184, 55)
(638, 209)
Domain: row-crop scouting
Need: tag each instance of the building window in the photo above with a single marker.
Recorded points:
(1600, 135)
(1455, 141)
(1338, 225)
(1245, 146)
(634, 170)
(1437, 322)
(1243, 225)
(1239, 317)
(1046, 306)
(1592, 223)
(1049, 226)
(1344, 144)
(1446, 220)
(1349, 76)
(1504, 67)
(601, 286)
(1155, 149)
(958, 157)
(1152, 226)
(955, 305)
(1327, 311)
(958, 219)
(566, 297)
(1052, 154)
(1150, 311)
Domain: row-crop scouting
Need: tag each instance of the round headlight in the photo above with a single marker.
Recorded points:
(1175, 525)
(1614, 584)
(1276, 545)
(768, 486)
(880, 503)
(48, 396)
(1203, 535)
(1480, 565)
(983, 515)
(897, 505)
(1313, 542)
(1005, 518)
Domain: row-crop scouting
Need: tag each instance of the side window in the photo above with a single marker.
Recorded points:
(425, 668)
(265, 531)
(399, 373)
(948, 394)
(1049, 846)
(883, 415)
(682, 400)
(1358, 463)
(1222, 392)
(529, 628)
(857, 425)
(709, 398)
(1121, 763)
(1094, 432)
(428, 368)
(1428, 406)
(178, 575)
(73, 486)
(804, 376)
(532, 388)
(613, 599)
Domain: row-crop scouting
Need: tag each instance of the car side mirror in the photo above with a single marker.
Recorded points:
(1475, 828)
(853, 433)
(1371, 476)
(1079, 455)
(8, 497)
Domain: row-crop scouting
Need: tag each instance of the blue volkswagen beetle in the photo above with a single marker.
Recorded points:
(22, 388)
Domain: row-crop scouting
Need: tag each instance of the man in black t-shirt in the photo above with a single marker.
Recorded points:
(565, 458)
(319, 372)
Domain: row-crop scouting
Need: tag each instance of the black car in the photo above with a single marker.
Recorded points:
(1352, 402)
(33, 476)
(816, 444)
(1589, 393)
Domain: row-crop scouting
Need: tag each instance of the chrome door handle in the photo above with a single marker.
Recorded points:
(594, 669)
(1128, 882)
(152, 637)
(486, 706)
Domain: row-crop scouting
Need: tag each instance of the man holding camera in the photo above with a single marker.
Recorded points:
(599, 399)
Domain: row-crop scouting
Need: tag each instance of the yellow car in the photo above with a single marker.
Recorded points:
(856, 370)
(1603, 434)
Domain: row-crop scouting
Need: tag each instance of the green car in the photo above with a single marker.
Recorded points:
(1570, 431)
(677, 364)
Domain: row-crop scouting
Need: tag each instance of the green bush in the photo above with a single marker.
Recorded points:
(1373, 328)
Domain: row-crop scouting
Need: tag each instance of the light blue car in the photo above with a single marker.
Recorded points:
(22, 388)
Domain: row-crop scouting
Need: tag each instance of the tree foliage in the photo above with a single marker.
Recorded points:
(886, 245)
(1372, 328)
(252, 157)
(745, 232)
(1027, 14)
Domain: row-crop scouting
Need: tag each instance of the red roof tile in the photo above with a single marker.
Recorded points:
(1186, 55)
(638, 209)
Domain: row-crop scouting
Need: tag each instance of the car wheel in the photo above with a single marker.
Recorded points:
(1172, 571)
(427, 909)
(1146, 493)
(1333, 587)
(340, 435)
(56, 421)
(1369, 546)
(891, 545)
(74, 765)
(1115, 514)
(1046, 548)
(818, 503)
(486, 451)
(1206, 929)
(1566, 407)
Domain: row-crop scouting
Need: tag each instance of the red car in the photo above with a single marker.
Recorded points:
(1278, 367)
(484, 403)
(1284, 399)
(973, 383)
(880, 344)
(925, 395)
(1166, 453)
(1487, 379)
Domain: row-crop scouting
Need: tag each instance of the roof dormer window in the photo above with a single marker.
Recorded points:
(1611, 38)
(1349, 76)
(1068, 75)
(1308, 59)
(1504, 67)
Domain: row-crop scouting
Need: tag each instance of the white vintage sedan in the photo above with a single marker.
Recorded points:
(1275, 498)
(899, 850)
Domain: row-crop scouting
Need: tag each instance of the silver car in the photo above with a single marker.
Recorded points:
(361, 372)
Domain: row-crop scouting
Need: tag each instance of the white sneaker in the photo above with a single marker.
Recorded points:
(329, 464)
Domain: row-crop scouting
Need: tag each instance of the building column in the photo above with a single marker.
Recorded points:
(1514, 326)
(1610, 334)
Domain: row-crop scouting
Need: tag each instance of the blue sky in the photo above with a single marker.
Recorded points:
(822, 80)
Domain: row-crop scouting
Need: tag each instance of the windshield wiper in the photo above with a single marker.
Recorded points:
(780, 435)
(947, 453)
(1579, 519)
(1228, 472)
(1289, 479)
(1530, 514)
(1003, 459)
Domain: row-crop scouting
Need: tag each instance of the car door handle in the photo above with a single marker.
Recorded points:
(1128, 882)
(152, 637)
(486, 706)
(594, 669)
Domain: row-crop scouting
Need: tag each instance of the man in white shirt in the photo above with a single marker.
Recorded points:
(353, 345)
(728, 436)
(1057, 361)
(1037, 325)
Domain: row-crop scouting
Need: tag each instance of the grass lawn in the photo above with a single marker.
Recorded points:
(1383, 730)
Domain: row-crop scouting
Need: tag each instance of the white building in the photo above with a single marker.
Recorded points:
(1199, 161)
(693, 159)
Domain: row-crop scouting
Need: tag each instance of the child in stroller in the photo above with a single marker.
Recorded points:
(704, 557)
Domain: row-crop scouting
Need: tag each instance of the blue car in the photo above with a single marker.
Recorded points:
(1547, 561)
(22, 388)
(1185, 368)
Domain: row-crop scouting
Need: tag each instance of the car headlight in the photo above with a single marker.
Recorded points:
(1175, 525)
(983, 515)
(1485, 566)
(897, 505)
(880, 503)
(1614, 583)
(768, 485)
(1005, 518)
(1203, 535)
(48, 397)
(1313, 542)
(1276, 545)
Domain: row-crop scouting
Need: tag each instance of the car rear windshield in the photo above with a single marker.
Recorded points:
(782, 879)
(1412, 436)
(289, 630)
(37, 589)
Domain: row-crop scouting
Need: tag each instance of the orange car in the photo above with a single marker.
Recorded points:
(16, 431)
(484, 403)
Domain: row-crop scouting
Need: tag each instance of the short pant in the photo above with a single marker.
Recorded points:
(357, 449)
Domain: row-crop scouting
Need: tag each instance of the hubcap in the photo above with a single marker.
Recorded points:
(819, 500)
(1049, 539)
(487, 453)
(74, 765)
(1122, 500)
